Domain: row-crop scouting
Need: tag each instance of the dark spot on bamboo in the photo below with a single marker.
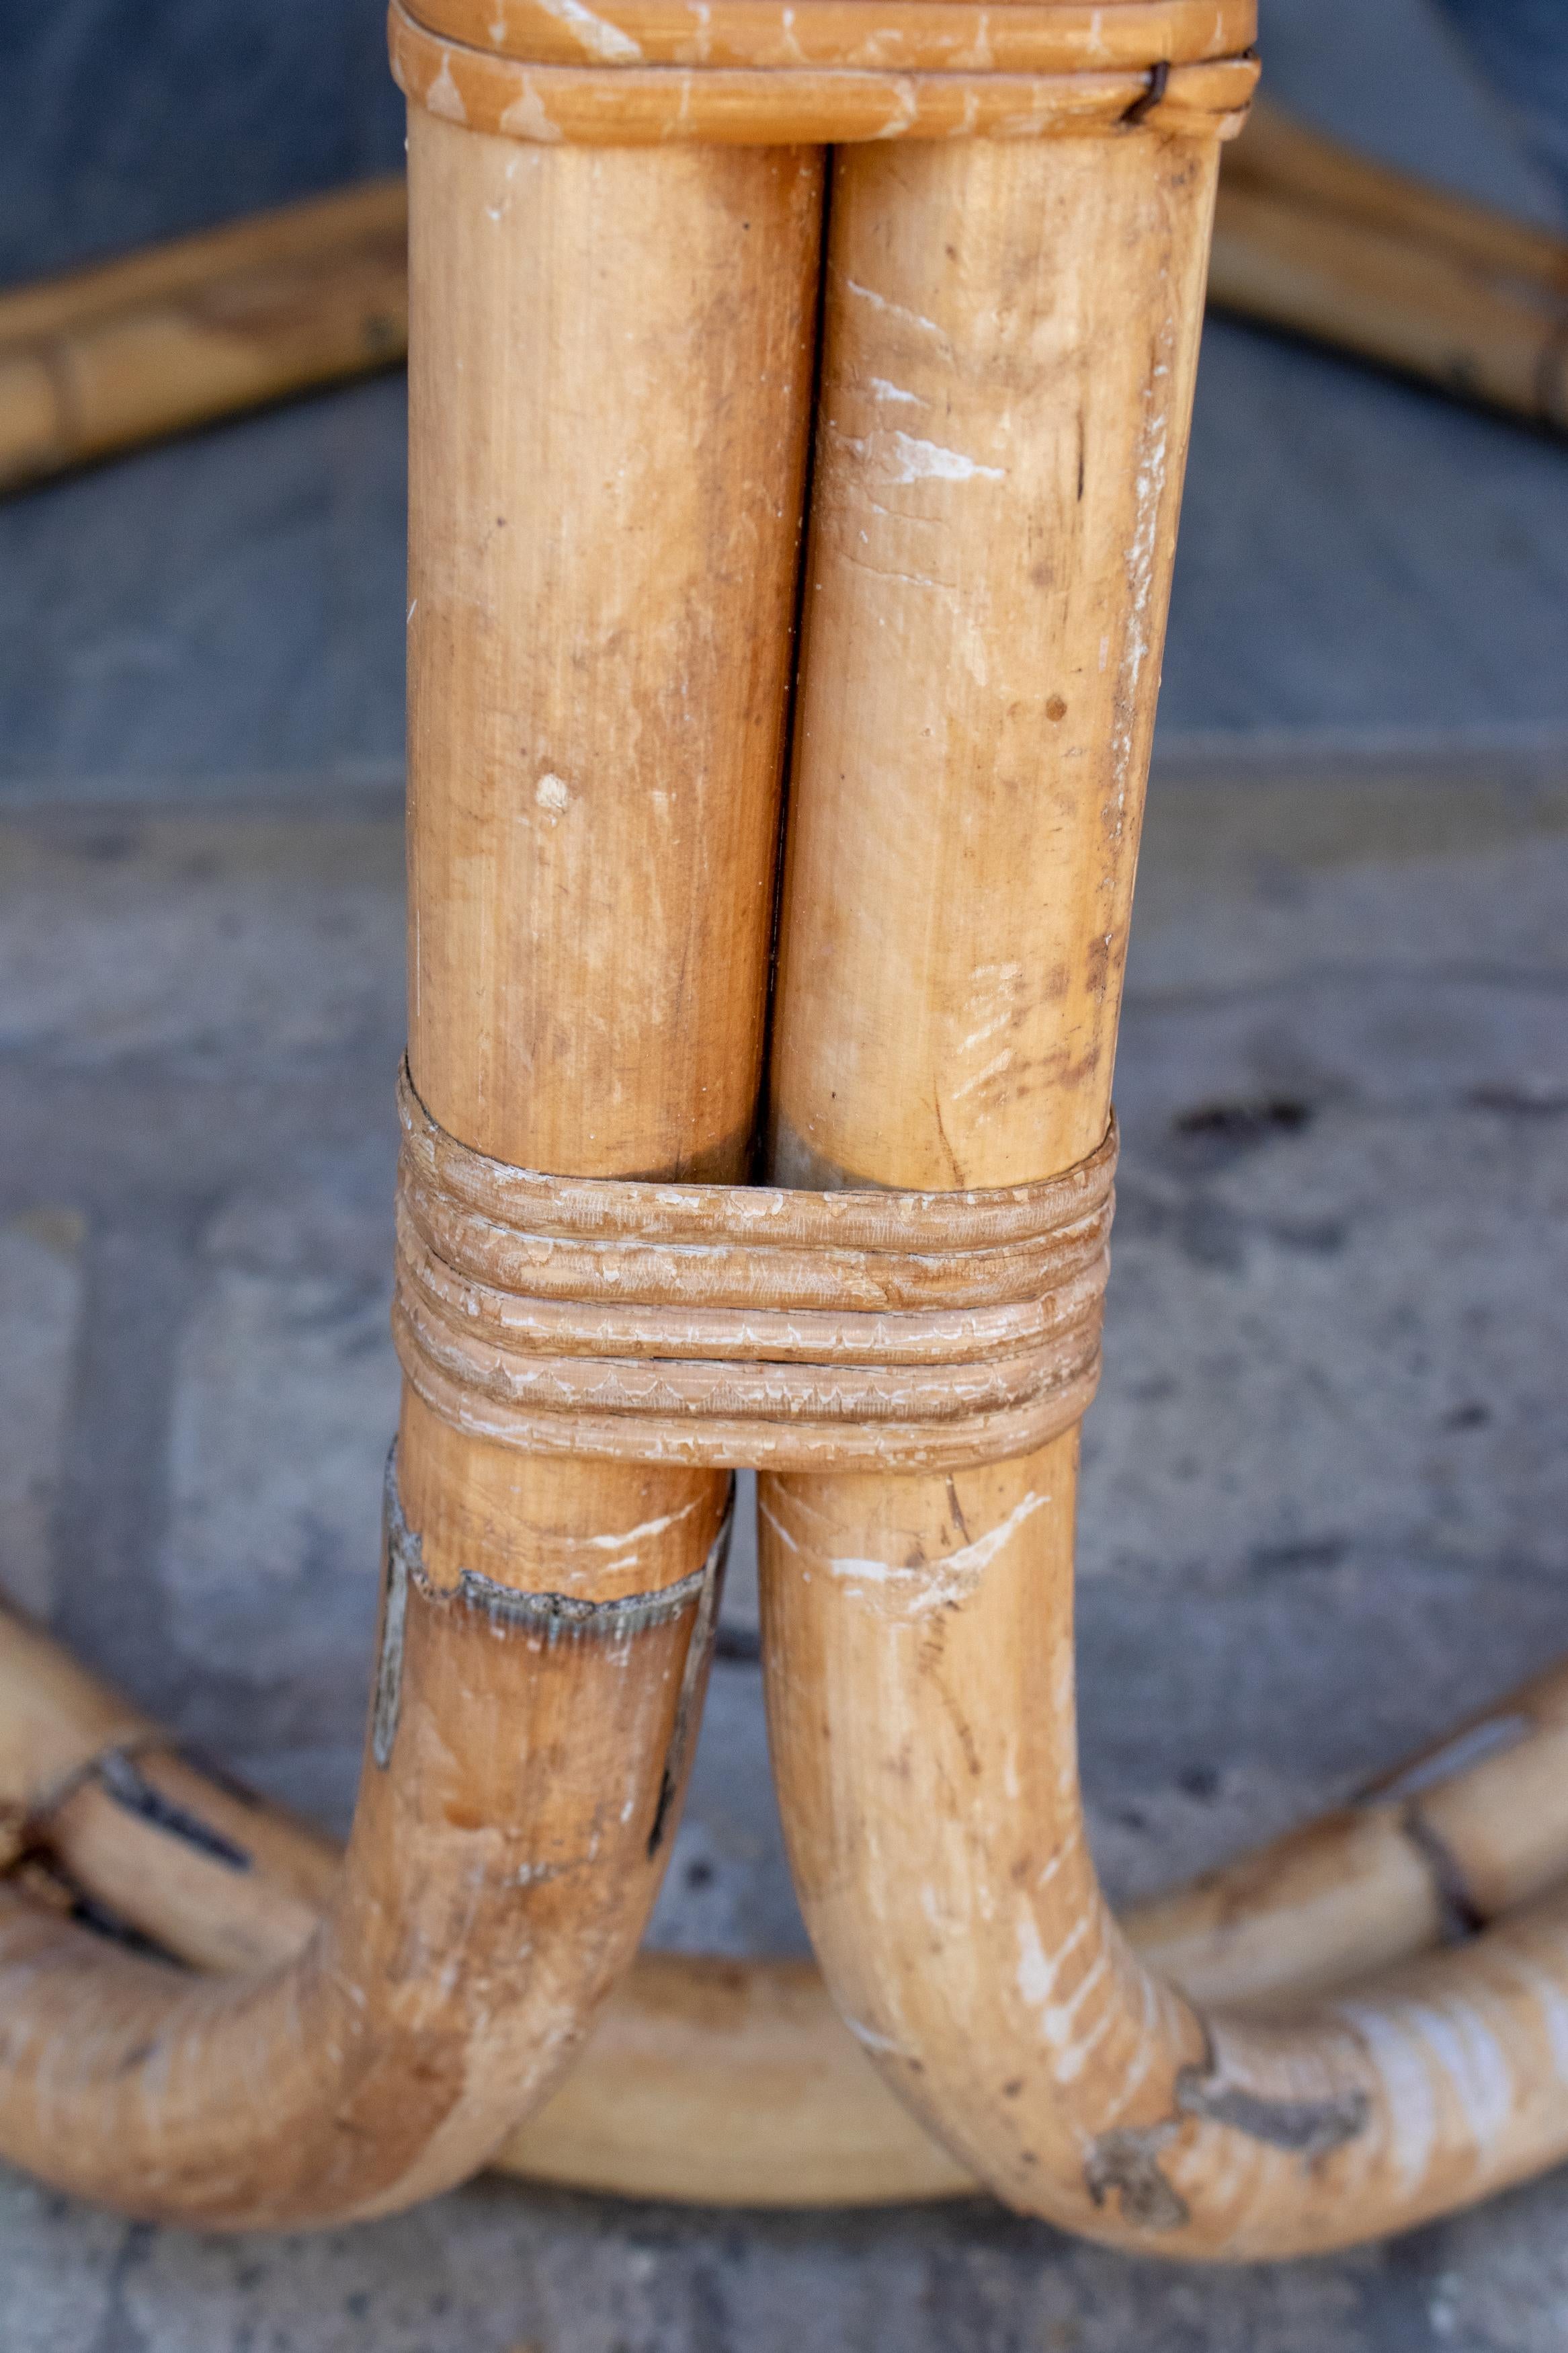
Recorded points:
(1126, 2161)
(1459, 1915)
(1307, 2127)
(1149, 97)
(130, 1788)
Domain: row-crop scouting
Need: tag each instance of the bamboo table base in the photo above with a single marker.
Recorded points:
(655, 254)
(724, 2082)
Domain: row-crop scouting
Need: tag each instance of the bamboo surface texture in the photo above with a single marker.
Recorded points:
(736, 2083)
(365, 2072)
(1309, 238)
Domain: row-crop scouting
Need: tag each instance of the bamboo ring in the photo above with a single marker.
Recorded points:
(615, 102)
(1044, 37)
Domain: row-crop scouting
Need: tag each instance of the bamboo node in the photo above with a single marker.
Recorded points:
(546, 1619)
(729, 1326)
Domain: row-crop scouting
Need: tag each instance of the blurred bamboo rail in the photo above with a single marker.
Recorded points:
(1313, 239)
(180, 335)
(1309, 238)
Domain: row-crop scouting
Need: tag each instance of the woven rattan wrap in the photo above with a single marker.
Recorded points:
(770, 73)
(742, 1324)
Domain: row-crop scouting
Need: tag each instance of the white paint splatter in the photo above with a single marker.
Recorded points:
(1408, 2095)
(923, 1585)
(552, 794)
(444, 96)
(872, 2040)
(894, 310)
(1473, 2059)
(599, 38)
(926, 461)
(644, 1528)
(526, 118)
(777, 1527)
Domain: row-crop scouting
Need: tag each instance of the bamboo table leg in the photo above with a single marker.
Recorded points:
(1010, 336)
(602, 570)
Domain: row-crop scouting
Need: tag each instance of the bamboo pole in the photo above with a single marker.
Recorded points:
(602, 548)
(735, 2083)
(1010, 338)
(104, 359)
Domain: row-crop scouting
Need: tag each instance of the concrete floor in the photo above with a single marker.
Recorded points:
(1326, 1498)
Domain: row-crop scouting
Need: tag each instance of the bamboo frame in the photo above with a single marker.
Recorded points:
(1009, 329)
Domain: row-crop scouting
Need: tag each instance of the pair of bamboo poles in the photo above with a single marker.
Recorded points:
(641, 285)
(1308, 237)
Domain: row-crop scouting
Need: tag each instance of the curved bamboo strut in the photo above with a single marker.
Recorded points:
(586, 994)
(938, 1852)
(1010, 339)
(723, 2081)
